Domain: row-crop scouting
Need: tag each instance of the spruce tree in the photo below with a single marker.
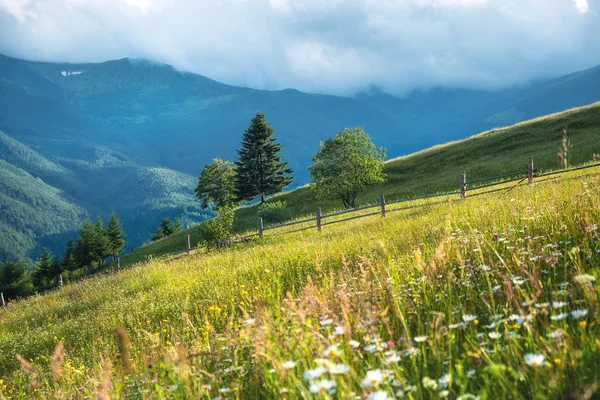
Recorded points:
(69, 262)
(84, 250)
(260, 169)
(115, 236)
(101, 242)
(42, 273)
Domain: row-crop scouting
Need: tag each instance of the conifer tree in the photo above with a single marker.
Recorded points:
(84, 250)
(15, 279)
(69, 262)
(260, 169)
(101, 243)
(116, 235)
(42, 273)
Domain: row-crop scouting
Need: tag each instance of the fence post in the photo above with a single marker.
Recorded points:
(60, 280)
(530, 171)
(463, 185)
(260, 227)
(188, 244)
(382, 204)
(2, 302)
(318, 218)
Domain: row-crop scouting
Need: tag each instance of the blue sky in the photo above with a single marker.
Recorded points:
(326, 46)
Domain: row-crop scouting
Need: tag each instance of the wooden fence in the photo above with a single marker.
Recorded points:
(382, 208)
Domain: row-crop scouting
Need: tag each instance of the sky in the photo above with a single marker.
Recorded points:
(322, 46)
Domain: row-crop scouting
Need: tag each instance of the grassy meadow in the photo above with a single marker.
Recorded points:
(434, 170)
(493, 297)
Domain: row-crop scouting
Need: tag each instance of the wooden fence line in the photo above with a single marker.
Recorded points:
(528, 175)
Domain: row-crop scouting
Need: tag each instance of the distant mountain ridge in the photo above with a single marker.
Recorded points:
(133, 135)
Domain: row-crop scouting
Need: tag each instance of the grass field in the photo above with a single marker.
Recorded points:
(437, 169)
(494, 297)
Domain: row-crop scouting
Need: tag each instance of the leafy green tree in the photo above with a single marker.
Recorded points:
(15, 280)
(101, 247)
(84, 249)
(69, 262)
(217, 184)
(216, 232)
(43, 271)
(116, 236)
(346, 164)
(260, 169)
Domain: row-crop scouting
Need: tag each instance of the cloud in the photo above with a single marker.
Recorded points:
(582, 6)
(333, 46)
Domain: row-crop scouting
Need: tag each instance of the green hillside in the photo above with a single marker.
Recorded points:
(492, 297)
(104, 129)
(488, 154)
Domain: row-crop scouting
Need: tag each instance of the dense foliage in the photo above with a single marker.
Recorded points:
(346, 165)
(260, 169)
(216, 184)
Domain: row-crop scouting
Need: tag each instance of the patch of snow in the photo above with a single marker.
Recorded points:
(69, 73)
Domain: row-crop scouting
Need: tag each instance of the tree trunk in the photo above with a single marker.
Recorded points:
(262, 198)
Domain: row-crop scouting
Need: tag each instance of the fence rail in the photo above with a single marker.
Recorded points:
(530, 174)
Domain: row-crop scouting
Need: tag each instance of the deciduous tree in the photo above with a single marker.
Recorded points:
(346, 164)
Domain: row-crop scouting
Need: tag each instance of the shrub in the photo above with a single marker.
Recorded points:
(215, 233)
(274, 212)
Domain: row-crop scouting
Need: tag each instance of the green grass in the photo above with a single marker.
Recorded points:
(492, 153)
(450, 299)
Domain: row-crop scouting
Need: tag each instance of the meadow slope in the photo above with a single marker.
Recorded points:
(492, 153)
(495, 296)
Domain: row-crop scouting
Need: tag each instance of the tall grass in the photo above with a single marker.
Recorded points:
(495, 296)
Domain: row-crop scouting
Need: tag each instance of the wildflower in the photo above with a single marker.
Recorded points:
(323, 385)
(332, 351)
(559, 317)
(467, 396)
(379, 395)
(471, 373)
(420, 339)
(579, 313)
(582, 324)
(557, 334)
(558, 304)
(444, 381)
(354, 344)
(469, 318)
(326, 321)
(444, 393)
(250, 321)
(314, 373)
(454, 326)
(534, 360)
(495, 335)
(339, 369)
(225, 390)
(392, 359)
(371, 348)
(584, 279)
(429, 383)
(289, 364)
(338, 331)
(372, 379)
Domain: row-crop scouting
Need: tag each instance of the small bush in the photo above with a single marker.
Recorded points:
(216, 233)
(274, 212)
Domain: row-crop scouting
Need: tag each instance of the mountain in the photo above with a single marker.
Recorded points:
(133, 136)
